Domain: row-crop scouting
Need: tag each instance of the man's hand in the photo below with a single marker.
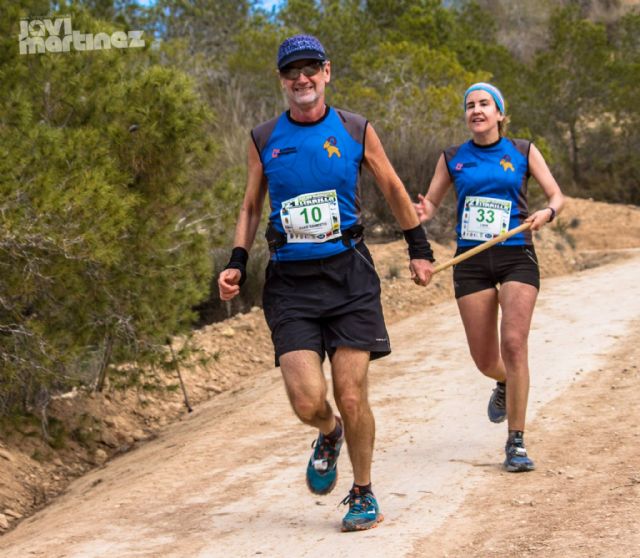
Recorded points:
(228, 283)
(421, 271)
(424, 208)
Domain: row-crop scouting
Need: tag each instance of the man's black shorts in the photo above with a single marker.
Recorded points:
(493, 266)
(320, 305)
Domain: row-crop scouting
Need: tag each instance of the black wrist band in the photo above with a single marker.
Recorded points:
(419, 247)
(553, 213)
(238, 260)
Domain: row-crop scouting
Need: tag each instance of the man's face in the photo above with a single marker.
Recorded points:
(304, 81)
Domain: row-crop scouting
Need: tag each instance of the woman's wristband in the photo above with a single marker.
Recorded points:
(553, 213)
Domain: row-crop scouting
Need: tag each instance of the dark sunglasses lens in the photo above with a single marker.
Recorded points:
(290, 73)
(308, 70)
(311, 69)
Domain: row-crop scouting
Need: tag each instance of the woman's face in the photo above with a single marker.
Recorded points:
(482, 114)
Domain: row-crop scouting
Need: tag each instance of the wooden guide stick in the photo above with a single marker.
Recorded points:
(481, 247)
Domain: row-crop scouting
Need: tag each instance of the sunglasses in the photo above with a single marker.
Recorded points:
(308, 70)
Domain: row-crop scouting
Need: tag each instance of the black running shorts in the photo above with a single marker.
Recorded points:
(494, 266)
(320, 305)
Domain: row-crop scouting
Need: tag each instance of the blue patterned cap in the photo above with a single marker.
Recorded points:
(491, 89)
(300, 47)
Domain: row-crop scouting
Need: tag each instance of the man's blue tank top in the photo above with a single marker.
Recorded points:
(305, 158)
(499, 171)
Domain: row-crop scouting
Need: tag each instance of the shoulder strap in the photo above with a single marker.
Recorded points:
(261, 134)
(522, 145)
(355, 124)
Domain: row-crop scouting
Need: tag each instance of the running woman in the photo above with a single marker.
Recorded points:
(490, 174)
(322, 294)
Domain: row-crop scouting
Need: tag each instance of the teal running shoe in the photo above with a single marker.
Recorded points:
(322, 470)
(363, 513)
(517, 460)
(497, 409)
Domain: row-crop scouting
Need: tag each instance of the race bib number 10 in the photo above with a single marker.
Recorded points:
(484, 218)
(311, 217)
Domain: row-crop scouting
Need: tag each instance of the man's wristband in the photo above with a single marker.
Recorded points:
(238, 260)
(553, 213)
(419, 247)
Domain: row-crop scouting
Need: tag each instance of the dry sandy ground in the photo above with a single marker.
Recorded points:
(228, 480)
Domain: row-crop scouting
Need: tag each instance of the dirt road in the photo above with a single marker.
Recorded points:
(228, 481)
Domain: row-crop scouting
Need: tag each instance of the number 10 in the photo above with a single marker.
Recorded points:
(316, 214)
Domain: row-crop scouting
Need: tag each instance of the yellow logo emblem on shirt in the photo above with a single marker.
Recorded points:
(331, 147)
(505, 162)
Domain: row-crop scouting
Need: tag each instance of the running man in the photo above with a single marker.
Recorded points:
(322, 294)
(490, 174)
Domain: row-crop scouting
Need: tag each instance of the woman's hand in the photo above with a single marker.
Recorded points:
(539, 219)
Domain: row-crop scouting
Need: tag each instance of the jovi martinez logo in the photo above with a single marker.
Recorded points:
(38, 36)
(331, 146)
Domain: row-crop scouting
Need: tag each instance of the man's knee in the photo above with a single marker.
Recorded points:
(309, 408)
(351, 401)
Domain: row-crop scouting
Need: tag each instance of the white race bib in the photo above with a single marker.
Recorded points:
(311, 217)
(484, 218)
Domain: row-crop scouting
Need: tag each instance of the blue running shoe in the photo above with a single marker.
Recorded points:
(517, 460)
(363, 513)
(322, 470)
(497, 409)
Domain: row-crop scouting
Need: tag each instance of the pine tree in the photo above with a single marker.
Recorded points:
(105, 210)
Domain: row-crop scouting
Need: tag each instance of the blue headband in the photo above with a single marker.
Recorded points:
(491, 89)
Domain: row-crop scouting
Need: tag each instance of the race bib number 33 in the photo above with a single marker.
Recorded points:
(484, 218)
(311, 217)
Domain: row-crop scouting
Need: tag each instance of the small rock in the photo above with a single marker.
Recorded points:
(4, 522)
(228, 332)
(109, 439)
(6, 455)
(12, 513)
(139, 435)
(100, 456)
(525, 500)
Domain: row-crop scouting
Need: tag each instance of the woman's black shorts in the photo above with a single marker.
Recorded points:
(320, 305)
(494, 266)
